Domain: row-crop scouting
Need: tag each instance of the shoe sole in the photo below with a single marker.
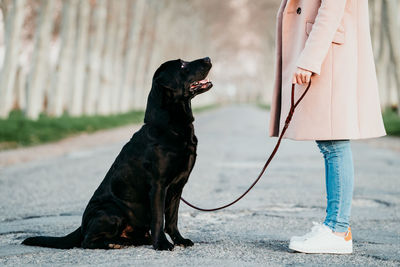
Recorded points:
(309, 251)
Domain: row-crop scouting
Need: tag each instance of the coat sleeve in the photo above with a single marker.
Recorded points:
(323, 31)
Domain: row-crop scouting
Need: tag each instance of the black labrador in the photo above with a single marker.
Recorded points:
(146, 180)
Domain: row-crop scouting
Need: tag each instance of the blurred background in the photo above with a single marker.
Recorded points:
(72, 67)
(96, 57)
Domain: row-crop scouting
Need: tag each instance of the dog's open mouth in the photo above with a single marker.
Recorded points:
(202, 85)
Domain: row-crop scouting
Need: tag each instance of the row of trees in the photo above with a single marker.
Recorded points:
(98, 56)
(90, 57)
(385, 31)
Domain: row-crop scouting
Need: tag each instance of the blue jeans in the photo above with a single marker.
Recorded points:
(339, 179)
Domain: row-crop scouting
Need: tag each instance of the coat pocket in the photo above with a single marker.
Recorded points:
(339, 37)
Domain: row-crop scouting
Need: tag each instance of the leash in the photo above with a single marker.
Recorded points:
(287, 122)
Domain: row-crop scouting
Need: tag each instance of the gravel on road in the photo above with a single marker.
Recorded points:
(46, 192)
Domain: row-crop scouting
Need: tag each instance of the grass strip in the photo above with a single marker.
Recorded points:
(18, 131)
(392, 122)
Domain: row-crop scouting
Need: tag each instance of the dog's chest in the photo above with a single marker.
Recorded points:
(188, 155)
(184, 163)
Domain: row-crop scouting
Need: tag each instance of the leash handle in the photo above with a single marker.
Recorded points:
(293, 106)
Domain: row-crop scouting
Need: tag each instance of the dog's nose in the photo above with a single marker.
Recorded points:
(207, 60)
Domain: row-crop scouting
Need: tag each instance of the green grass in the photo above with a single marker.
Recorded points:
(205, 108)
(263, 105)
(392, 122)
(19, 131)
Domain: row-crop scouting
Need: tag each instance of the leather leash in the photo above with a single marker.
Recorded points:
(287, 122)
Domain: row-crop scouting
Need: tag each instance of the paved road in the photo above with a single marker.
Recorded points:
(48, 197)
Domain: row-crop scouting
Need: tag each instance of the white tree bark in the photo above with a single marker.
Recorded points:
(158, 42)
(122, 11)
(39, 74)
(4, 6)
(14, 23)
(144, 56)
(391, 8)
(93, 84)
(19, 88)
(76, 104)
(61, 90)
(104, 102)
(160, 52)
(130, 65)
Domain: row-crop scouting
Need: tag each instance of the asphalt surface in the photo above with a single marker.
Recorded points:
(48, 196)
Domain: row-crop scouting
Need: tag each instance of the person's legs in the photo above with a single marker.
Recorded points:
(333, 236)
(339, 177)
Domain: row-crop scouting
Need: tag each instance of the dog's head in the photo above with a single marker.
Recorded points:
(175, 83)
(182, 80)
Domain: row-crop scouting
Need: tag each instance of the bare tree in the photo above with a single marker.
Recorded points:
(122, 22)
(104, 100)
(62, 82)
(156, 12)
(391, 8)
(130, 63)
(13, 28)
(142, 56)
(39, 74)
(75, 106)
(96, 47)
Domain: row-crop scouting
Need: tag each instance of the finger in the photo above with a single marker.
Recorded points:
(299, 81)
(302, 77)
(294, 80)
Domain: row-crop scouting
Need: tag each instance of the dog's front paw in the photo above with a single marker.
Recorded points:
(184, 242)
(163, 244)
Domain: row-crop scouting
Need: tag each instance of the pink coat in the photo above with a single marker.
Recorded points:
(332, 39)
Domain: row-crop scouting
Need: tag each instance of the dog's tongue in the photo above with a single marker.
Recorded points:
(202, 83)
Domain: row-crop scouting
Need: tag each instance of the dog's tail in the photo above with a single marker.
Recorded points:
(72, 240)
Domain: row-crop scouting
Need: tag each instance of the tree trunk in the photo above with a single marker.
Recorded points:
(104, 103)
(131, 58)
(14, 22)
(61, 89)
(93, 85)
(144, 56)
(122, 11)
(155, 45)
(4, 6)
(39, 74)
(391, 8)
(20, 92)
(75, 106)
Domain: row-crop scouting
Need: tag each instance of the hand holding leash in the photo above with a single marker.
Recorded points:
(293, 106)
(301, 76)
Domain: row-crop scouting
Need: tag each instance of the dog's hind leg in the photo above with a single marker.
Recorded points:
(102, 230)
(137, 236)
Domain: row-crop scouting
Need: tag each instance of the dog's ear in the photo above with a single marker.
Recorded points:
(164, 80)
(165, 88)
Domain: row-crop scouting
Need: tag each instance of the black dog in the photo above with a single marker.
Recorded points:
(146, 180)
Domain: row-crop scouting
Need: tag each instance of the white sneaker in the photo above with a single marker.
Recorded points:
(321, 239)
(304, 237)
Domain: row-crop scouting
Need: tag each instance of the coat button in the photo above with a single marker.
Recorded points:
(298, 11)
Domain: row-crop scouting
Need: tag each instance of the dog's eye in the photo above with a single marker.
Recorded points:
(183, 64)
